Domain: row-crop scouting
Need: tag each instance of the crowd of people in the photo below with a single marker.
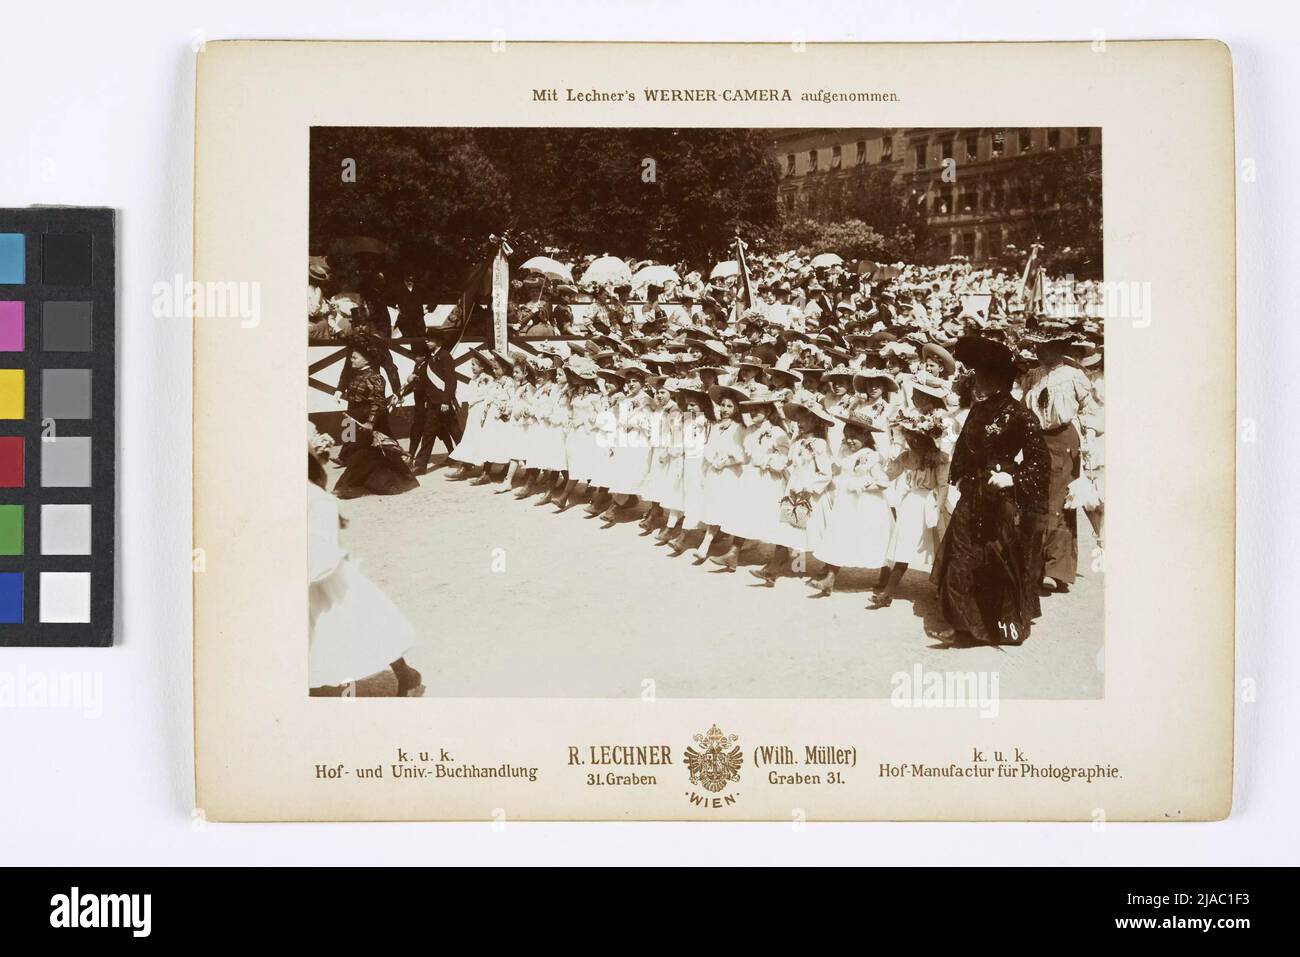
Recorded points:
(922, 417)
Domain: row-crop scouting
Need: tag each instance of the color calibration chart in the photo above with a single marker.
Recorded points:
(57, 416)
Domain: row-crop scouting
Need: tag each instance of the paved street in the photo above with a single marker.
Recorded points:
(574, 610)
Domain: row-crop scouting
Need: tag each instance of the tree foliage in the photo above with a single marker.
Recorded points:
(435, 195)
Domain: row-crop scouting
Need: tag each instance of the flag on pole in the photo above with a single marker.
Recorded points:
(1031, 286)
(746, 298)
(487, 282)
(1030, 265)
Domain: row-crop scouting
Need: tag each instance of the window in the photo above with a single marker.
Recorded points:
(946, 149)
(999, 144)
(789, 164)
(919, 150)
(1053, 139)
(972, 150)
(886, 149)
(1083, 136)
(1026, 141)
(862, 152)
(812, 161)
(837, 157)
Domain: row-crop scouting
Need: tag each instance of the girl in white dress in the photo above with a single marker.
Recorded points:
(353, 629)
(662, 487)
(579, 442)
(920, 476)
(877, 397)
(762, 481)
(545, 439)
(516, 408)
(631, 453)
(474, 394)
(724, 452)
(860, 522)
(697, 420)
(605, 432)
(808, 477)
(496, 412)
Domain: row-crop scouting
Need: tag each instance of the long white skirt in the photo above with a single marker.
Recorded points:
(721, 487)
(665, 480)
(757, 511)
(513, 439)
(858, 530)
(692, 491)
(913, 540)
(580, 454)
(628, 470)
(602, 460)
(353, 629)
(470, 448)
(493, 440)
(545, 447)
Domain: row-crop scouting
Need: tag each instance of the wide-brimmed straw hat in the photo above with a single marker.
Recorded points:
(932, 351)
(856, 421)
(794, 375)
(929, 398)
(793, 407)
(839, 372)
(719, 392)
(887, 382)
(762, 398)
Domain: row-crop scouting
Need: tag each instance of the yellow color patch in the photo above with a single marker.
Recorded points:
(11, 393)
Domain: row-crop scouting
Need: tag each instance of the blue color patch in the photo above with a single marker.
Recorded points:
(11, 598)
(13, 259)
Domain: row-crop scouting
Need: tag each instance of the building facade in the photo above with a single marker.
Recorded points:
(974, 188)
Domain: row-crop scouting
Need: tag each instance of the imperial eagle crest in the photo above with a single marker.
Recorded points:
(713, 767)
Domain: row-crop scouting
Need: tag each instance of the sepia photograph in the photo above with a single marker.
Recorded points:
(722, 413)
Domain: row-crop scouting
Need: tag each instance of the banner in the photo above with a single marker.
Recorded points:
(500, 299)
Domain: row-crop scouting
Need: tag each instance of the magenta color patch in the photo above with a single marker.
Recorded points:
(11, 326)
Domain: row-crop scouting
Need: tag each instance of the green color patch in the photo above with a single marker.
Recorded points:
(11, 529)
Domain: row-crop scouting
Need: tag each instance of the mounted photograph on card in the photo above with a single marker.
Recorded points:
(681, 455)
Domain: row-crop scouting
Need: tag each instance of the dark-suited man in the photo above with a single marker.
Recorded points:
(410, 308)
(433, 384)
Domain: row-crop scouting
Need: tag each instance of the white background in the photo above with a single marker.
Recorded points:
(96, 108)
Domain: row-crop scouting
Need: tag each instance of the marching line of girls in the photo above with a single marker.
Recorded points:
(854, 477)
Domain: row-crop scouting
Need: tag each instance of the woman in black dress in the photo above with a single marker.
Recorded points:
(374, 462)
(988, 570)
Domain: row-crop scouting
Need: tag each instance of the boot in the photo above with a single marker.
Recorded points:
(530, 487)
(728, 559)
(774, 568)
(886, 597)
(882, 582)
(826, 584)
